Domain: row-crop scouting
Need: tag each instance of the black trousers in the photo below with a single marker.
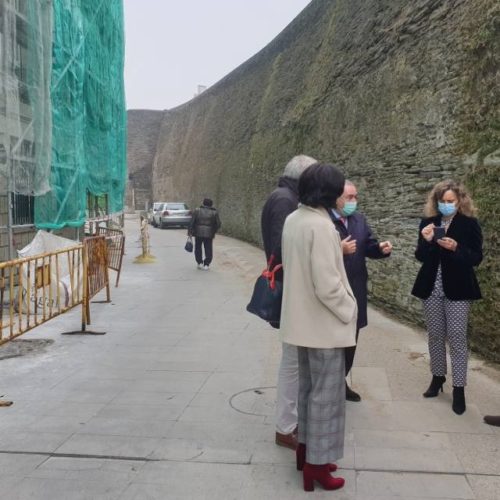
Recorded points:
(349, 354)
(208, 246)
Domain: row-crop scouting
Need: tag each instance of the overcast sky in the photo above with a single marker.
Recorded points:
(172, 46)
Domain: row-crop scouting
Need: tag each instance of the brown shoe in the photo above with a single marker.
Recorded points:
(492, 420)
(287, 440)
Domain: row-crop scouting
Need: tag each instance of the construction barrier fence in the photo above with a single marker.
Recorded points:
(36, 289)
(115, 240)
(33, 290)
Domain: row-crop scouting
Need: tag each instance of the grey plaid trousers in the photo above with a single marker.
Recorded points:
(321, 405)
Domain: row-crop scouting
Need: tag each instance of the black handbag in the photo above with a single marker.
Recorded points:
(267, 294)
(189, 245)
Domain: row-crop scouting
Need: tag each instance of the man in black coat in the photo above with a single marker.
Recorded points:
(358, 243)
(280, 204)
(203, 226)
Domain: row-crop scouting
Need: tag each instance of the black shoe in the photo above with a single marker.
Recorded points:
(436, 385)
(350, 395)
(458, 405)
(492, 420)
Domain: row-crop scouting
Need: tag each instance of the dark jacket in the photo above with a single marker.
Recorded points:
(205, 222)
(459, 279)
(280, 204)
(355, 264)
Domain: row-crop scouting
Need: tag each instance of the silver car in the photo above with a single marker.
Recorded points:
(172, 214)
(157, 206)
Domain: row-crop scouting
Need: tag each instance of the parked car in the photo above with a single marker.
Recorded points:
(157, 206)
(172, 214)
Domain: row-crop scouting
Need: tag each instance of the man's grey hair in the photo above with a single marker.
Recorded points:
(297, 165)
(349, 183)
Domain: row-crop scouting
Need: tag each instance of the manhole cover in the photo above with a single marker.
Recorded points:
(255, 401)
(19, 347)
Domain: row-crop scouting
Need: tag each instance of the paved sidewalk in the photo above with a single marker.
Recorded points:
(176, 400)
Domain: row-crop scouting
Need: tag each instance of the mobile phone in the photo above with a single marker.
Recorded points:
(439, 232)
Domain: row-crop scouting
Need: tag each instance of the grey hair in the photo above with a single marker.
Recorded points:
(297, 165)
(349, 183)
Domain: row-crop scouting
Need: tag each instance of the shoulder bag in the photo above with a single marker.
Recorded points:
(267, 294)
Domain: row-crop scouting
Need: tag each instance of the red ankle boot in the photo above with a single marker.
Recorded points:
(321, 474)
(301, 458)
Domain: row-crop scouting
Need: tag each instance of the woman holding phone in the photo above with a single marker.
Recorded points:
(449, 247)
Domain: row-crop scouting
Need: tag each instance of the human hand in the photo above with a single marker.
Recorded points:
(448, 243)
(348, 245)
(385, 247)
(428, 232)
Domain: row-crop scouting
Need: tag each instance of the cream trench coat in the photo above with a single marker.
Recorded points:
(318, 309)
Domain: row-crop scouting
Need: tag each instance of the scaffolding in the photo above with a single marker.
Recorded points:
(62, 113)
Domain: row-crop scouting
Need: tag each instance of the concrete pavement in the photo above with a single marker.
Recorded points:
(176, 401)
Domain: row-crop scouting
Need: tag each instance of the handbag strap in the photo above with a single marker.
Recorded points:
(270, 274)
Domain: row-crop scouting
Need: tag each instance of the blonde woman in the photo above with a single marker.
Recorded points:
(449, 247)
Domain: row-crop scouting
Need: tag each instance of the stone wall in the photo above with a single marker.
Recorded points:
(143, 129)
(402, 94)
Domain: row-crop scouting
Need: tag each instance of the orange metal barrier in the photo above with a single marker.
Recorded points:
(95, 260)
(33, 290)
(36, 289)
(116, 248)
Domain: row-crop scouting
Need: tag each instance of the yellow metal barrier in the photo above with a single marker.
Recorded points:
(36, 289)
(116, 248)
(95, 259)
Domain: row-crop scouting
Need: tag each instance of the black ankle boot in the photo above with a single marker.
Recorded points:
(436, 384)
(351, 395)
(458, 405)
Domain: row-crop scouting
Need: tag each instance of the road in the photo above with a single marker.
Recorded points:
(176, 401)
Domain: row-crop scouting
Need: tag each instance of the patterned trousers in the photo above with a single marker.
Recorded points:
(321, 405)
(447, 320)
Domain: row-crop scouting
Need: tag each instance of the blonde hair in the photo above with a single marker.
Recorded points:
(465, 204)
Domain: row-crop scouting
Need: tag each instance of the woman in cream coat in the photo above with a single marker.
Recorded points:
(319, 316)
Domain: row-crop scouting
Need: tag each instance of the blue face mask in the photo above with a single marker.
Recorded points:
(349, 208)
(446, 209)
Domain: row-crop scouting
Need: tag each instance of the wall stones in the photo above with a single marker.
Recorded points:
(143, 129)
(401, 94)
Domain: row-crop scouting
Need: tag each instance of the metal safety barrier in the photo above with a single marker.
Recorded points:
(33, 290)
(115, 240)
(95, 260)
(36, 289)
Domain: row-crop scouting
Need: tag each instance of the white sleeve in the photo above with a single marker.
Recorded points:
(326, 253)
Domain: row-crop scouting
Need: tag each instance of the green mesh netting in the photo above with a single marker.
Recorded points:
(88, 111)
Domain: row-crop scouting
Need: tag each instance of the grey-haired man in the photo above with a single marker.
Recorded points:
(280, 204)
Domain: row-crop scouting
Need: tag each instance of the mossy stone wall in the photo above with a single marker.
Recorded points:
(400, 94)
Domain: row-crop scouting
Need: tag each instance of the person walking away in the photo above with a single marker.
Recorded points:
(449, 247)
(281, 203)
(203, 226)
(358, 243)
(318, 316)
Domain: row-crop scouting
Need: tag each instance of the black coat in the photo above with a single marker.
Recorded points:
(355, 265)
(459, 279)
(204, 223)
(280, 204)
